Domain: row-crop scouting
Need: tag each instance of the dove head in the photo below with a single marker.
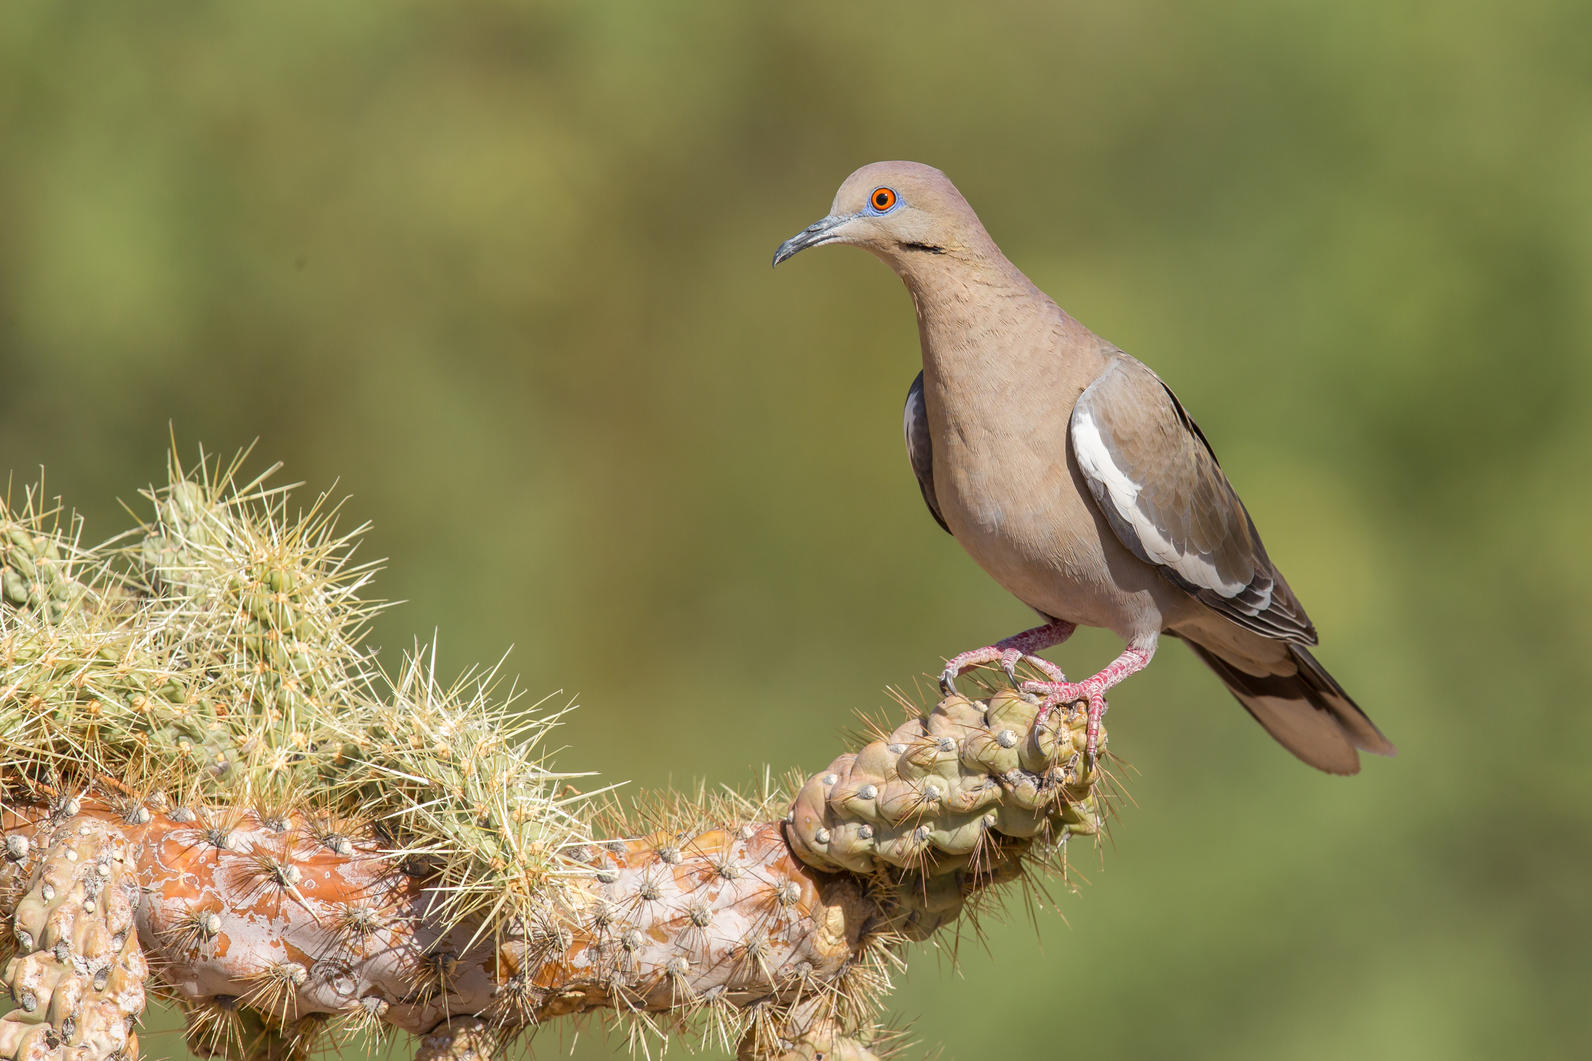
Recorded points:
(902, 212)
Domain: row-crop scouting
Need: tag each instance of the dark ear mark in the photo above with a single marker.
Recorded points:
(927, 248)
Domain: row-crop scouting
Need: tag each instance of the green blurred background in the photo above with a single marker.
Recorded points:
(500, 272)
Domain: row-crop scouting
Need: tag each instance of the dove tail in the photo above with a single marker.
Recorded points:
(1307, 711)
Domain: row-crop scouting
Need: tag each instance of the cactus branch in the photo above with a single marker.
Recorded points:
(209, 785)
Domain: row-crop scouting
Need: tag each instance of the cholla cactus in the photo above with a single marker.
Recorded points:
(206, 773)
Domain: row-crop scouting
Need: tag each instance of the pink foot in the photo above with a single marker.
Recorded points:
(1009, 652)
(1092, 691)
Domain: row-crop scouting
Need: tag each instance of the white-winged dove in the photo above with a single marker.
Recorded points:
(1074, 477)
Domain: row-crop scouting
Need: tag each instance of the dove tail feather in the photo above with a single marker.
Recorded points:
(1307, 711)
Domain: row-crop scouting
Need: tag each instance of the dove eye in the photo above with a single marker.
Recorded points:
(882, 199)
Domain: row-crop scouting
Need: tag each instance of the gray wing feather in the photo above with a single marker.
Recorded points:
(915, 425)
(1162, 491)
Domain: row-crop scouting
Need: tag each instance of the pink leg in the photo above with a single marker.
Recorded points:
(1018, 647)
(1133, 659)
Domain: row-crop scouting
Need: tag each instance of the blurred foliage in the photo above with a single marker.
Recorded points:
(503, 269)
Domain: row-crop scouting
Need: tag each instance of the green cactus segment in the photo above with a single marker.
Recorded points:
(947, 803)
(322, 840)
(216, 655)
(78, 972)
(37, 569)
(463, 790)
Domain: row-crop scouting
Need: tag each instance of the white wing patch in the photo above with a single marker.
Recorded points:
(1094, 456)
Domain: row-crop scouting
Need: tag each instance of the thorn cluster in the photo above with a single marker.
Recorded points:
(945, 804)
(201, 762)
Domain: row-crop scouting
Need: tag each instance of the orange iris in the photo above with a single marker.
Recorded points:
(882, 199)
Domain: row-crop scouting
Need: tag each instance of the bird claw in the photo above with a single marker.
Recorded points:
(1053, 694)
(965, 661)
(1019, 648)
(948, 682)
(1008, 660)
(1091, 747)
(1011, 657)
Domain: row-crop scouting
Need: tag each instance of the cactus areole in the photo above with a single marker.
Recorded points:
(211, 790)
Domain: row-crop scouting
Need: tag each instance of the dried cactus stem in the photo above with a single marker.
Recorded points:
(190, 723)
(265, 937)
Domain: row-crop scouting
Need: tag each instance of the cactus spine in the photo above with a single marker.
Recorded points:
(189, 713)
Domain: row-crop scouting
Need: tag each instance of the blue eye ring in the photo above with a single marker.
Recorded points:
(882, 200)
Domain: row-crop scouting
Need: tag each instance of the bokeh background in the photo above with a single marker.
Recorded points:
(500, 272)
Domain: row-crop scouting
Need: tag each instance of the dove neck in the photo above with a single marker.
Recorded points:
(970, 312)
